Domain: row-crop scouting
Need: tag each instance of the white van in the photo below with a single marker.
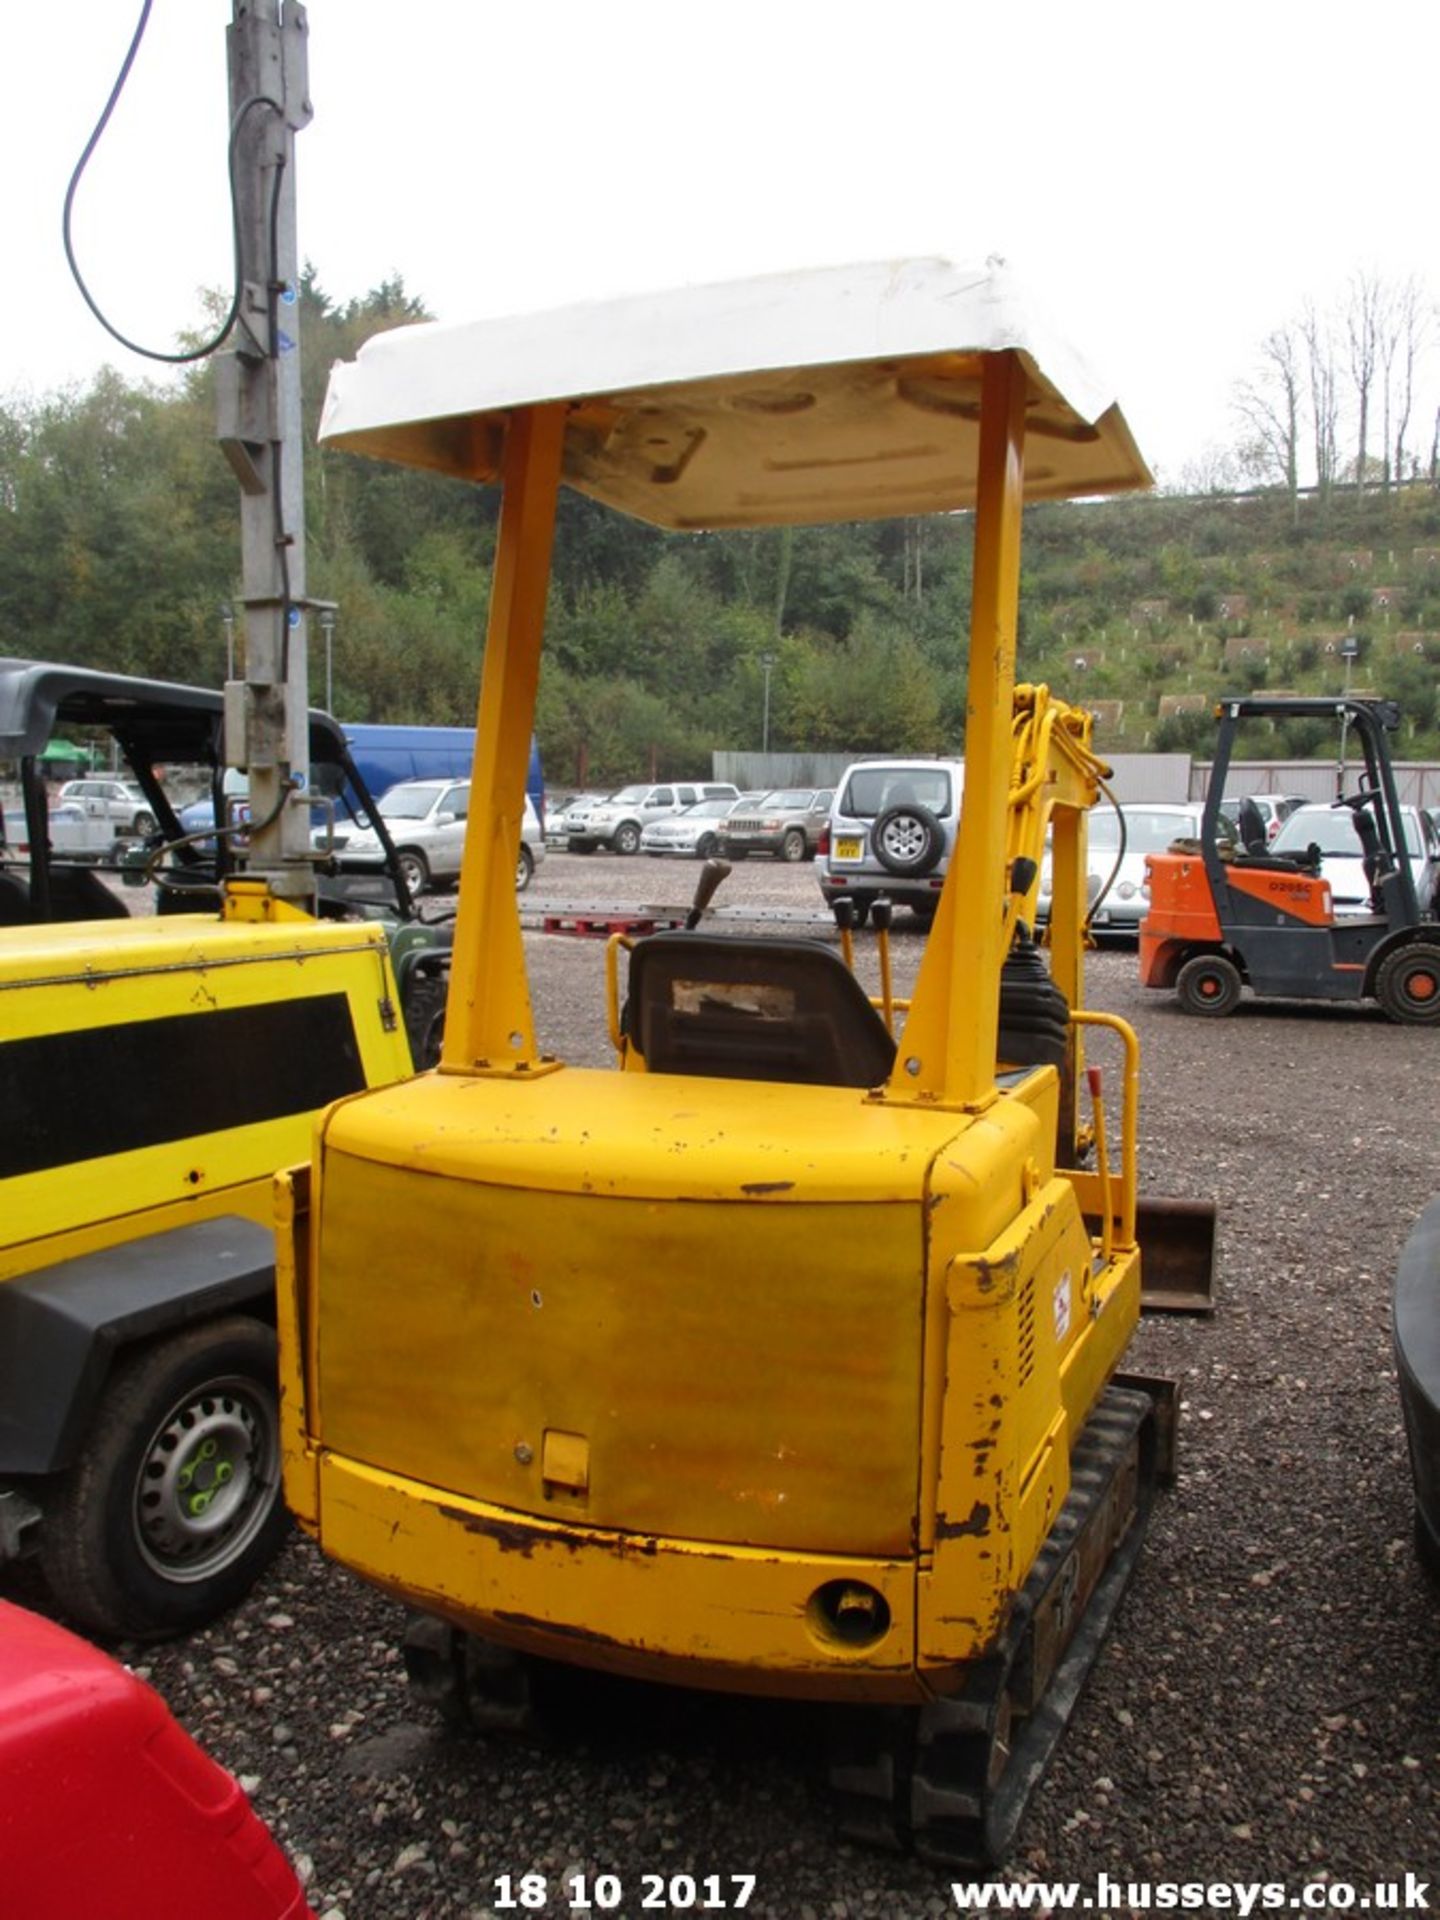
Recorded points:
(892, 830)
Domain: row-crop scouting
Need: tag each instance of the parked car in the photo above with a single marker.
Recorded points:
(1342, 862)
(696, 832)
(1274, 809)
(1144, 828)
(106, 797)
(569, 817)
(426, 820)
(199, 817)
(617, 823)
(891, 831)
(1148, 827)
(786, 823)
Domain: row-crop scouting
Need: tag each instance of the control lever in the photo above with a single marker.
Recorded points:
(881, 915)
(711, 874)
(844, 911)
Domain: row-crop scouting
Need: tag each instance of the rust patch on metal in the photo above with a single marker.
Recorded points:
(976, 1524)
(509, 1536)
(516, 1536)
(554, 1629)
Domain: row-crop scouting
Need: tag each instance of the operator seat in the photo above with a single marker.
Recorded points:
(1251, 824)
(783, 1010)
(1254, 848)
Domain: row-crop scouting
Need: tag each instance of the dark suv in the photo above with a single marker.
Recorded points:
(787, 824)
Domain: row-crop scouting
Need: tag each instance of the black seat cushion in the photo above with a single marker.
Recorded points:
(787, 1010)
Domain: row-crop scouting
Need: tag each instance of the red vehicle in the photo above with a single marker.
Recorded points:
(109, 1807)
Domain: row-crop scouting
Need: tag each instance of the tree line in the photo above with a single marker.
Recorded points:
(119, 547)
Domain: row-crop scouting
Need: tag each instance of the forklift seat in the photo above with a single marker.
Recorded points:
(1254, 848)
(1251, 825)
(783, 1010)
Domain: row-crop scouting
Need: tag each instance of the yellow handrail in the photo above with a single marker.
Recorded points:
(1129, 1115)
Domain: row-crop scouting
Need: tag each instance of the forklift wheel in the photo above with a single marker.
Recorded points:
(1408, 985)
(1209, 984)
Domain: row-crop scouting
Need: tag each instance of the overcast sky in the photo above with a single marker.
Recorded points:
(1178, 177)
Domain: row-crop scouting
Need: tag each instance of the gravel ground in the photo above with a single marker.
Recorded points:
(1266, 1706)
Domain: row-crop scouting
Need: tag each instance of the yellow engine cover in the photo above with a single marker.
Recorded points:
(626, 1367)
(717, 1339)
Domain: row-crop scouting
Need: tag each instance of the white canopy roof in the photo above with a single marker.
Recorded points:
(836, 394)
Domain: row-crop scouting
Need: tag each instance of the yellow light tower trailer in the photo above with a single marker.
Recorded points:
(782, 1358)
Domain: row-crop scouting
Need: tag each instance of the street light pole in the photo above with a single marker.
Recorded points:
(227, 615)
(1349, 653)
(327, 627)
(767, 665)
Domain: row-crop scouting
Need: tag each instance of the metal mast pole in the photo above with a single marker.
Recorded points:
(259, 429)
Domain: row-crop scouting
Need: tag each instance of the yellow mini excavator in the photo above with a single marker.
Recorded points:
(784, 1356)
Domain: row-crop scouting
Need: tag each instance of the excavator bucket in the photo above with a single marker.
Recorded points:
(1177, 1241)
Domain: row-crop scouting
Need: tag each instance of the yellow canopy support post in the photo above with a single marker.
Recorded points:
(489, 1024)
(946, 1054)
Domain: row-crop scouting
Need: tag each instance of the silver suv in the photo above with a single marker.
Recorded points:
(618, 822)
(892, 831)
(426, 820)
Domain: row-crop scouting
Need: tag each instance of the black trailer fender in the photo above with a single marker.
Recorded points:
(62, 1326)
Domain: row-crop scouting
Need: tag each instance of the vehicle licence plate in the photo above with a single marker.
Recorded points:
(848, 849)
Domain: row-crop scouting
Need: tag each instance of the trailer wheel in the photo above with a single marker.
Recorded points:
(1209, 984)
(174, 1509)
(1408, 985)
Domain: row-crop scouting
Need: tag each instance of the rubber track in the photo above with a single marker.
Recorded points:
(921, 1777)
(474, 1685)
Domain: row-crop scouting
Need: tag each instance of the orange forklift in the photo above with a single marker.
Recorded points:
(1225, 915)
